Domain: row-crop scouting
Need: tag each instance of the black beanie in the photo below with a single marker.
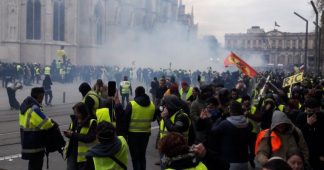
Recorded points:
(84, 88)
(36, 91)
(139, 91)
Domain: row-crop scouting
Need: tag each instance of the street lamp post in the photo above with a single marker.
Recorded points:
(306, 41)
(316, 39)
(319, 42)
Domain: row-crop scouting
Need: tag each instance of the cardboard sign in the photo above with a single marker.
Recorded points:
(293, 79)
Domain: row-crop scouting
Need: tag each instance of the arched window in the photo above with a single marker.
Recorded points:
(33, 26)
(59, 20)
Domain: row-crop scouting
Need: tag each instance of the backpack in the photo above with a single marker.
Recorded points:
(54, 142)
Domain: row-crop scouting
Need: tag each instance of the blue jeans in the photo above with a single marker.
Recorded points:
(125, 96)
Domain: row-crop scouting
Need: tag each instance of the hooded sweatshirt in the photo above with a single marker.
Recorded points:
(288, 140)
(233, 135)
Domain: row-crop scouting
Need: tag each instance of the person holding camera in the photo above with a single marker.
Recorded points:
(311, 123)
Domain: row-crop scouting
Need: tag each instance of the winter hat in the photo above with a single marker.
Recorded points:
(84, 88)
(139, 91)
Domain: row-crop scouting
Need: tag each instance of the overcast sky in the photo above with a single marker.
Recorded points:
(218, 17)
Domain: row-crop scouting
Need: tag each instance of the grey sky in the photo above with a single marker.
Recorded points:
(218, 17)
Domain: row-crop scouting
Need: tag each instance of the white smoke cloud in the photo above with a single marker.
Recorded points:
(170, 42)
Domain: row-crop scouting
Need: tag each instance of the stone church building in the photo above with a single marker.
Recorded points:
(31, 31)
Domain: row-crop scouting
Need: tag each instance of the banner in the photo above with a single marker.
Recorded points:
(293, 79)
(233, 59)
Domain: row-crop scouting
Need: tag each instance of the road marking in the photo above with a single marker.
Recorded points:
(2, 134)
(10, 157)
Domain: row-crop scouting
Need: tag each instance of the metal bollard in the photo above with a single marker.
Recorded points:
(64, 97)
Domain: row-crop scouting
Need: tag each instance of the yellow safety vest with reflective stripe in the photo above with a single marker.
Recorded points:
(256, 128)
(141, 117)
(47, 70)
(125, 87)
(84, 147)
(104, 115)
(200, 166)
(104, 163)
(189, 93)
(95, 98)
(164, 130)
(31, 121)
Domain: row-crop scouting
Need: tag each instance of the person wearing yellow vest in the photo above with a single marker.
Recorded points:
(47, 83)
(37, 73)
(33, 123)
(176, 154)
(125, 90)
(285, 136)
(254, 116)
(139, 114)
(47, 70)
(90, 98)
(112, 151)
(235, 96)
(173, 117)
(82, 136)
(185, 91)
(62, 74)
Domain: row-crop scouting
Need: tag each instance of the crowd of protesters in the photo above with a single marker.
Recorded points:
(207, 120)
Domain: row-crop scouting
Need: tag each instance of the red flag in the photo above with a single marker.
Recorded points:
(233, 59)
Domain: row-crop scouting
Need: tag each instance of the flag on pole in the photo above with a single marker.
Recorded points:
(276, 24)
(233, 59)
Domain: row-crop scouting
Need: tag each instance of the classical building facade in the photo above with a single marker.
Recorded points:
(274, 47)
(33, 30)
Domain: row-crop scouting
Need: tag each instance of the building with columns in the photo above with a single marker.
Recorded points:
(274, 47)
(31, 31)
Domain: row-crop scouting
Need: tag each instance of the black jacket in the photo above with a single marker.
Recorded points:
(313, 135)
